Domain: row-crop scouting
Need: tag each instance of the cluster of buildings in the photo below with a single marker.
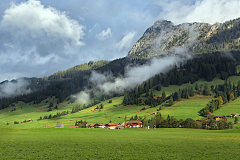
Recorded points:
(218, 118)
(128, 124)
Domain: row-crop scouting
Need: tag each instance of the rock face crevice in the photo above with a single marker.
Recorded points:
(164, 37)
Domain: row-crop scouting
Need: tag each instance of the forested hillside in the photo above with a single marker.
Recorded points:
(64, 83)
(206, 66)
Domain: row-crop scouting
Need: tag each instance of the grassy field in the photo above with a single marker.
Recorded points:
(216, 81)
(233, 107)
(187, 108)
(66, 143)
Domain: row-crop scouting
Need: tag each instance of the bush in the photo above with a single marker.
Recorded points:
(15, 122)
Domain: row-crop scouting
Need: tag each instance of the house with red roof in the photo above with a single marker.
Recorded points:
(134, 123)
(97, 125)
(81, 122)
(111, 125)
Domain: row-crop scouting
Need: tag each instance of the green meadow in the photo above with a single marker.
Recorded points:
(68, 143)
(216, 81)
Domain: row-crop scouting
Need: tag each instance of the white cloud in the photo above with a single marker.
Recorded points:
(33, 17)
(208, 11)
(126, 41)
(29, 27)
(105, 34)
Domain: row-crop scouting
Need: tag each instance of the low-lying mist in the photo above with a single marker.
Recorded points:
(14, 88)
(107, 84)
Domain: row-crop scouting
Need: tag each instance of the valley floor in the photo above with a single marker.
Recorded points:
(68, 143)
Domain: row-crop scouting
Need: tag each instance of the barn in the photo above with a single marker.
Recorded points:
(59, 125)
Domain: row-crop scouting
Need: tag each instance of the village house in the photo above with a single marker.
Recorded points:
(97, 125)
(134, 123)
(119, 127)
(218, 118)
(111, 125)
(233, 115)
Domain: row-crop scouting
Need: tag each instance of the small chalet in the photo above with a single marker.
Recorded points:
(123, 124)
(134, 123)
(218, 118)
(111, 125)
(97, 125)
(119, 127)
(59, 125)
(233, 115)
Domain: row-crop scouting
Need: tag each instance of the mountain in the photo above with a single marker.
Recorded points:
(164, 37)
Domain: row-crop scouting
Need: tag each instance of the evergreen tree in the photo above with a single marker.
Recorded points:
(101, 106)
(136, 117)
(191, 92)
(196, 87)
(170, 102)
(151, 94)
(50, 105)
(163, 95)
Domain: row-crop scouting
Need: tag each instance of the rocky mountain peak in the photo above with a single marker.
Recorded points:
(163, 36)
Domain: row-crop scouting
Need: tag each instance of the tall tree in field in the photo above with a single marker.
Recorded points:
(125, 121)
(236, 120)
(145, 122)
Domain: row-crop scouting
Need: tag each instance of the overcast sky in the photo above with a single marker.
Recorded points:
(38, 38)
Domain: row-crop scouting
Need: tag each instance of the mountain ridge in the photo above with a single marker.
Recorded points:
(163, 37)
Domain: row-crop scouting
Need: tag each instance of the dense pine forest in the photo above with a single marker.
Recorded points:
(203, 66)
